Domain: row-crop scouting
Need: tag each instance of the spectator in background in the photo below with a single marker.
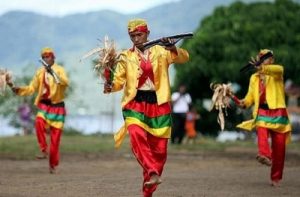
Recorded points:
(190, 125)
(293, 92)
(180, 102)
(25, 114)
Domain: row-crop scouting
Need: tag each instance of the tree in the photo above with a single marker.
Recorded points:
(225, 41)
(9, 104)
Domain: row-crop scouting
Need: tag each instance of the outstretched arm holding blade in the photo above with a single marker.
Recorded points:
(49, 81)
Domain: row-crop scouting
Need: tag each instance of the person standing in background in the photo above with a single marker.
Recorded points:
(181, 101)
(190, 125)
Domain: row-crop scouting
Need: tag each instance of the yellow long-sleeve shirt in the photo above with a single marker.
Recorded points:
(57, 91)
(127, 72)
(275, 95)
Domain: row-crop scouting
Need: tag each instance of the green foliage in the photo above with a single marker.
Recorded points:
(9, 103)
(225, 41)
(74, 35)
(71, 132)
(26, 147)
(18, 147)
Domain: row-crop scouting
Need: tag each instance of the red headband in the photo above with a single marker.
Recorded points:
(142, 28)
(48, 54)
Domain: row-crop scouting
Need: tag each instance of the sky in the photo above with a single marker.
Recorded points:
(66, 7)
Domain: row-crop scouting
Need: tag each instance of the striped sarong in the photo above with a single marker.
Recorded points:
(53, 114)
(144, 111)
(274, 119)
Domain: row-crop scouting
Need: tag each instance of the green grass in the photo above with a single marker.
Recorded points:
(26, 147)
(17, 147)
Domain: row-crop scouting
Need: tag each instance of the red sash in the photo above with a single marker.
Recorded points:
(262, 91)
(146, 67)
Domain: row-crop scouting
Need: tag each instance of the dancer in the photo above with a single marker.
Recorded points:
(49, 101)
(143, 74)
(270, 117)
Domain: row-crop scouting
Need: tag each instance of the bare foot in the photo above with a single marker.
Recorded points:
(264, 160)
(52, 170)
(43, 155)
(275, 184)
(154, 180)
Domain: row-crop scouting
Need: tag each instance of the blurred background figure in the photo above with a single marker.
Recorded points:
(180, 103)
(190, 125)
(270, 117)
(25, 117)
(50, 83)
(293, 93)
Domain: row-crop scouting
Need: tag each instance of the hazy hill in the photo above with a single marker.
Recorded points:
(23, 34)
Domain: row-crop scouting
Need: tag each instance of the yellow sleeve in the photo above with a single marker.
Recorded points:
(180, 57)
(64, 81)
(32, 87)
(119, 74)
(273, 70)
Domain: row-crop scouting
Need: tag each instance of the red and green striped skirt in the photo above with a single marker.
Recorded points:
(147, 114)
(53, 114)
(274, 119)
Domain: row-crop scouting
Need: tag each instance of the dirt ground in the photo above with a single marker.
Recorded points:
(200, 174)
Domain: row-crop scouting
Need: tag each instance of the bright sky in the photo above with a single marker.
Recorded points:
(65, 7)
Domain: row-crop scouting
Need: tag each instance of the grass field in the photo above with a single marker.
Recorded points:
(25, 147)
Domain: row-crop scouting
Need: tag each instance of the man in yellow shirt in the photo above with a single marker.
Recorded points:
(143, 74)
(51, 108)
(270, 117)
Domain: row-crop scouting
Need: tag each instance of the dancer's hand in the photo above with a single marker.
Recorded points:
(8, 80)
(15, 89)
(169, 44)
(10, 83)
(256, 63)
(242, 104)
(107, 87)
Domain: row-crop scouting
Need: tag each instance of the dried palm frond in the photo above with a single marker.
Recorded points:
(106, 60)
(221, 101)
(5, 78)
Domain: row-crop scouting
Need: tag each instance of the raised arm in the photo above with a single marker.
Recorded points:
(29, 89)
